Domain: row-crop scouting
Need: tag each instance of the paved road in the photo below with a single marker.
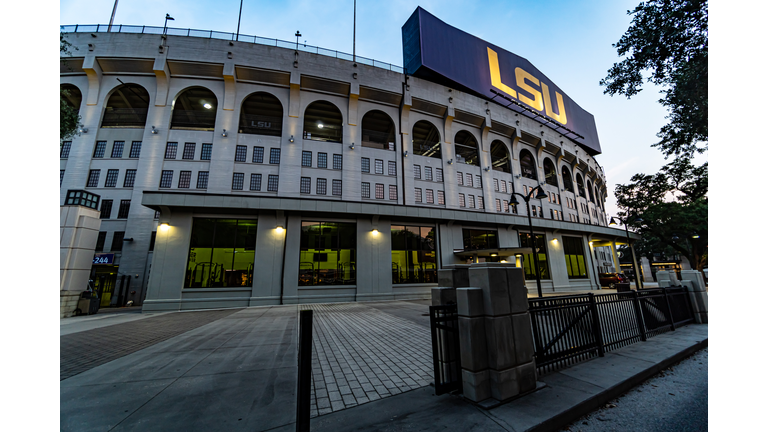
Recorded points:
(673, 401)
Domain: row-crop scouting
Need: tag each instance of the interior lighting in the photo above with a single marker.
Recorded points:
(375, 232)
(279, 229)
(164, 226)
(320, 125)
(206, 105)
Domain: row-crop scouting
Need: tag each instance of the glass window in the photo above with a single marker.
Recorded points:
(471, 201)
(170, 150)
(237, 181)
(185, 178)
(393, 192)
(500, 157)
(320, 186)
(460, 178)
(93, 178)
(478, 181)
(306, 185)
(241, 152)
(462, 200)
(413, 254)
(117, 241)
(498, 205)
(365, 189)
(66, 146)
(255, 182)
(274, 156)
(431, 196)
(221, 253)
(504, 186)
(441, 197)
(428, 173)
(417, 171)
(202, 180)
(528, 264)
(465, 145)
(426, 139)
(475, 239)
(327, 254)
(480, 203)
(125, 207)
(166, 178)
(379, 166)
(306, 158)
(528, 165)
(205, 152)
(336, 188)
(135, 150)
(61, 177)
(322, 160)
(439, 174)
(111, 180)
(152, 239)
(101, 147)
(100, 240)
(130, 178)
(469, 180)
(392, 168)
(272, 182)
(496, 184)
(550, 174)
(258, 155)
(418, 195)
(580, 185)
(337, 162)
(365, 165)
(106, 209)
(189, 151)
(117, 149)
(379, 191)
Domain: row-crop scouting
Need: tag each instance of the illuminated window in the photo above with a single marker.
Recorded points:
(573, 247)
(528, 264)
(327, 255)
(323, 122)
(221, 253)
(413, 254)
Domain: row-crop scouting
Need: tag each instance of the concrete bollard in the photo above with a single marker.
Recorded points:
(697, 292)
(443, 295)
(456, 276)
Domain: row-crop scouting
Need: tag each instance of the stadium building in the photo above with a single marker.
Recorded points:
(238, 171)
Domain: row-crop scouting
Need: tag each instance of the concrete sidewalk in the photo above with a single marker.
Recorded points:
(566, 396)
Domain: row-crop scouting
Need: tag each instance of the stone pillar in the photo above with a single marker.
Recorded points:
(79, 231)
(662, 277)
(697, 291)
(495, 334)
(456, 276)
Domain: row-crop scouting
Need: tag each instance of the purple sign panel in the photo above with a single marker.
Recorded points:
(104, 258)
(435, 51)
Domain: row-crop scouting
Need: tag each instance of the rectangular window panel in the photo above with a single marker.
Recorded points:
(205, 152)
(152, 239)
(258, 155)
(241, 152)
(237, 181)
(125, 207)
(462, 200)
(100, 240)
(117, 149)
(393, 192)
(392, 168)
(417, 171)
(61, 177)
(166, 179)
(117, 241)
(170, 150)
(221, 253)
(189, 151)
(66, 146)
(439, 174)
(431, 196)
(336, 188)
(478, 181)
(93, 178)
(379, 191)
(274, 156)
(255, 182)
(498, 205)
(111, 180)
(496, 184)
(413, 254)
(379, 167)
(327, 254)
(322, 160)
(510, 188)
(272, 182)
(475, 239)
(365, 165)
(101, 147)
(320, 186)
(306, 158)
(468, 181)
(471, 201)
(428, 173)
(504, 186)
(337, 162)
(480, 203)
(185, 178)
(417, 193)
(135, 150)
(460, 178)
(575, 261)
(506, 206)
(441, 197)
(202, 180)
(306, 185)
(106, 209)
(528, 259)
(365, 189)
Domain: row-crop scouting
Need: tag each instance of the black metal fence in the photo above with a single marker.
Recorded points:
(444, 322)
(570, 329)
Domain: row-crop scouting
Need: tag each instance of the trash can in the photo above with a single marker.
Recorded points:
(88, 303)
(623, 287)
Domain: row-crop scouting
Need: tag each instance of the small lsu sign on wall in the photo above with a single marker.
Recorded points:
(437, 52)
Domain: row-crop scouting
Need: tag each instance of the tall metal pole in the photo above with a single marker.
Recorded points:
(112, 19)
(532, 238)
(354, 31)
(238, 21)
(631, 249)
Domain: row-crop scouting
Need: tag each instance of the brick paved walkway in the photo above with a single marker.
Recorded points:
(362, 354)
(85, 350)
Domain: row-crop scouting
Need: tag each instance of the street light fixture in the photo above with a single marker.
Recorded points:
(631, 249)
(165, 25)
(513, 201)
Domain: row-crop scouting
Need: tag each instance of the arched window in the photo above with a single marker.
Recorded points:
(323, 122)
(589, 189)
(550, 175)
(261, 114)
(567, 182)
(580, 185)
(72, 96)
(528, 165)
(194, 109)
(378, 131)
(127, 107)
(465, 145)
(426, 139)
(500, 157)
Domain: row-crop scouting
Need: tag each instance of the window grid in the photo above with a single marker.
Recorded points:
(61, 177)
(337, 162)
(135, 150)
(428, 173)
(439, 174)
(241, 152)
(255, 182)
(320, 186)
(170, 150)
(393, 192)
(111, 180)
(117, 241)
(417, 171)
(125, 207)
(417, 193)
(202, 180)
(480, 203)
(322, 160)
(272, 182)
(100, 241)
(205, 152)
(365, 165)
(306, 185)
(66, 146)
(101, 147)
(93, 178)
(392, 168)
(379, 167)
(258, 155)
(462, 200)
(469, 180)
(506, 206)
(365, 190)
(441, 197)
(130, 178)
(430, 196)
(460, 178)
(379, 191)
(117, 149)
(185, 178)
(189, 151)
(471, 201)
(237, 181)
(478, 181)
(274, 156)
(336, 188)
(498, 205)
(166, 179)
(106, 209)
(504, 186)
(496, 185)
(306, 158)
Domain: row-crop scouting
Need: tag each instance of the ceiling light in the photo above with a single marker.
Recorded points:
(320, 125)
(207, 106)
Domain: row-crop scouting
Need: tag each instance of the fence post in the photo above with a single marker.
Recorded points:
(305, 371)
(639, 316)
(596, 326)
(669, 310)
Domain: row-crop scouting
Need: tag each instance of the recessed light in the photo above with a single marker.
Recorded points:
(207, 106)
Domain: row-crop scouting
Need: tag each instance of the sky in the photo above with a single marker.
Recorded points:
(569, 41)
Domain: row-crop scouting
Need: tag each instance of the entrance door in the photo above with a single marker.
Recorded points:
(104, 278)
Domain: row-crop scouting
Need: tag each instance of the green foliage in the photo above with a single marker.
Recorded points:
(668, 39)
(69, 116)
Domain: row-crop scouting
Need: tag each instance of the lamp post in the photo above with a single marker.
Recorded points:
(165, 25)
(237, 38)
(513, 201)
(631, 249)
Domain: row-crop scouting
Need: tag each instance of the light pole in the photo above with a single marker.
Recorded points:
(298, 35)
(631, 249)
(165, 25)
(513, 201)
(237, 38)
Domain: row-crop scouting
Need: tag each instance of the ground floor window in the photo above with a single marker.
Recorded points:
(480, 239)
(574, 257)
(221, 253)
(413, 254)
(528, 263)
(327, 254)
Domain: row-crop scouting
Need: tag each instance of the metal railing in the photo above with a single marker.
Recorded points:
(444, 324)
(210, 34)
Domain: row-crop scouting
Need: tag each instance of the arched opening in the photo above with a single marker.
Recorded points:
(465, 146)
(528, 165)
(71, 95)
(500, 157)
(580, 185)
(195, 109)
(261, 114)
(323, 122)
(567, 182)
(127, 107)
(550, 175)
(426, 139)
(378, 131)
(589, 189)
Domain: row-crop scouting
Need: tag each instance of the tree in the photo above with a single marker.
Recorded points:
(668, 39)
(69, 116)
(673, 205)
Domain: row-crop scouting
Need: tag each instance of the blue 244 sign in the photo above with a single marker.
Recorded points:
(104, 258)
